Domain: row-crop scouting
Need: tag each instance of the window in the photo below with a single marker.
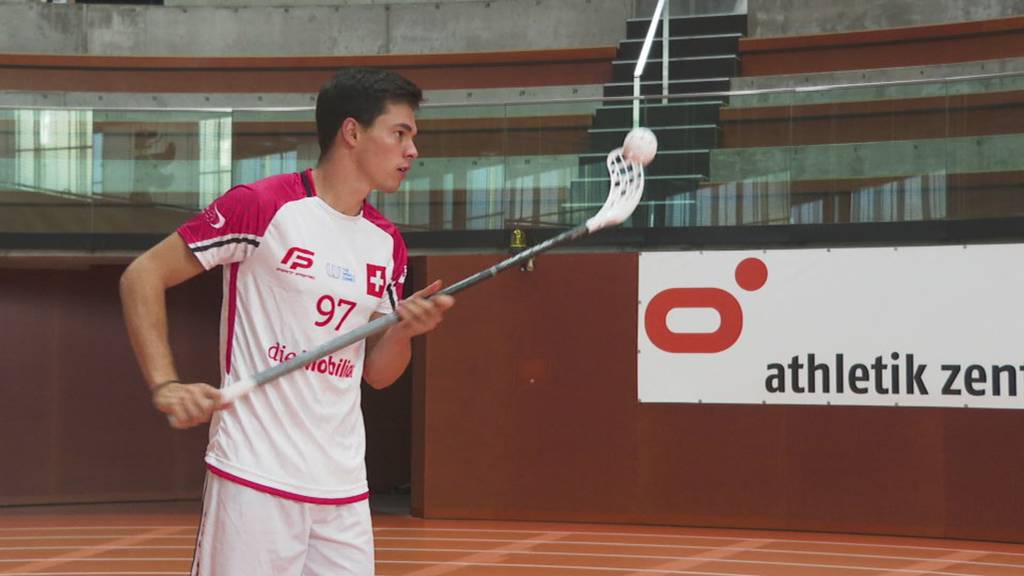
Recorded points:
(253, 169)
(913, 198)
(214, 158)
(53, 151)
(483, 197)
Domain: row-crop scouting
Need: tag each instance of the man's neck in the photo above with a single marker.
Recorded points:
(335, 186)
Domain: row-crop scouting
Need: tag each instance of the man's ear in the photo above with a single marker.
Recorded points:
(350, 131)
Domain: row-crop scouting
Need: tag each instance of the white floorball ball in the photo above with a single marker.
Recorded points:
(640, 146)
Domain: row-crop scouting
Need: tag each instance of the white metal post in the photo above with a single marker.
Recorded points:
(664, 53)
(642, 60)
(636, 101)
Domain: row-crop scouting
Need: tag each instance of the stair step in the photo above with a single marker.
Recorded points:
(680, 46)
(653, 185)
(654, 114)
(698, 136)
(666, 163)
(636, 28)
(693, 86)
(716, 66)
(703, 57)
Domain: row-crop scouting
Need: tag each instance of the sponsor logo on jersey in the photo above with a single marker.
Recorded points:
(340, 272)
(376, 280)
(297, 259)
(330, 365)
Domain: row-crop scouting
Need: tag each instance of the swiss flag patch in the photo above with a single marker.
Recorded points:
(376, 280)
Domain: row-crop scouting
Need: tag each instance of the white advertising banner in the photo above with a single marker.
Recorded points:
(919, 326)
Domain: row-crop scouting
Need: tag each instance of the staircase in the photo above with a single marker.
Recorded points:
(703, 57)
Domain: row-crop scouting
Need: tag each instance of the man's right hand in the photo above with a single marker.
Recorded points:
(187, 405)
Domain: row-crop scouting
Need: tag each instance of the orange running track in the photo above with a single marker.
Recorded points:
(143, 539)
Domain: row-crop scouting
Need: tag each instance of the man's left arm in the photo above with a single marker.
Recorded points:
(388, 354)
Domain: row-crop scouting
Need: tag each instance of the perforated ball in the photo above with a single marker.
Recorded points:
(640, 146)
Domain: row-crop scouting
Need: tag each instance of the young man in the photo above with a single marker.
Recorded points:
(305, 257)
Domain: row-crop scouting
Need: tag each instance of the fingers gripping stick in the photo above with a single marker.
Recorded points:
(627, 186)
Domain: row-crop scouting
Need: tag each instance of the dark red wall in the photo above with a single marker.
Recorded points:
(526, 409)
(76, 424)
(522, 406)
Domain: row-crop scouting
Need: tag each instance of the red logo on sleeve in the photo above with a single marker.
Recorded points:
(375, 280)
(213, 216)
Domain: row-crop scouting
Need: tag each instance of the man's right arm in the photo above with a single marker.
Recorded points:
(143, 286)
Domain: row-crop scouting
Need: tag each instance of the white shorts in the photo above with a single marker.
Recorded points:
(246, 532)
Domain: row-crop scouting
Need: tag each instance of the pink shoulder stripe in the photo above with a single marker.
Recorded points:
(242, 214)
(399, 255)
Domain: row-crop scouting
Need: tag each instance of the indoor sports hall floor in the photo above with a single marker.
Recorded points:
(158, 539)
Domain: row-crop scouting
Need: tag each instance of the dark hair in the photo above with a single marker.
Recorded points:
(362, 94)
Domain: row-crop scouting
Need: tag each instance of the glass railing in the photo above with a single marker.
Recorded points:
(897, 152)
(894, 152)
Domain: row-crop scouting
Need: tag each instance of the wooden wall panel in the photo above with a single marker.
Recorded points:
(526, 409)
(893, 47)
(76, 424)
(523, 406)
(288, 74)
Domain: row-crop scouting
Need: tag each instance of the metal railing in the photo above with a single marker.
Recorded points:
(661, 11)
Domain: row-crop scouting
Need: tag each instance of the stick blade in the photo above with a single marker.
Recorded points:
(627, 187)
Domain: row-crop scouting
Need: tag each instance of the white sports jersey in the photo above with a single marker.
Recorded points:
(297, 273)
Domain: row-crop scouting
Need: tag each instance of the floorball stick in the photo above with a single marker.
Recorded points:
(627, 185)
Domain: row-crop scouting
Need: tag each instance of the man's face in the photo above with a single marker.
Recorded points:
(385, 151)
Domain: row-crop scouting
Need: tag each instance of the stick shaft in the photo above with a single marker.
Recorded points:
(519, 258)
(384, 322)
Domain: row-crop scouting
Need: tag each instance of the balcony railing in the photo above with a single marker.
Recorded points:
(896, 152)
